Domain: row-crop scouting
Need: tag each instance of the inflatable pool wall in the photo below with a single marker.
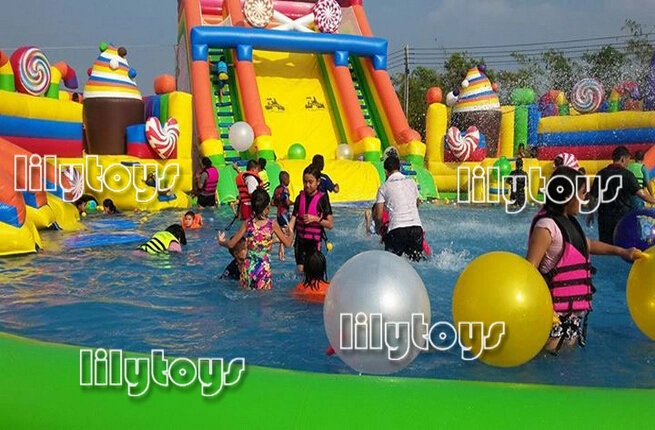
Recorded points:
(339, 92)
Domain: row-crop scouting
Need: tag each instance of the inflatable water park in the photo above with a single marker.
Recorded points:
(97, 175)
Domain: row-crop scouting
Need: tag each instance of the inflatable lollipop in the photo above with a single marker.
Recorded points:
(163, 139)
(258, 13)
(327, 16)
(31, 71)
(462, 146)
(587, 95)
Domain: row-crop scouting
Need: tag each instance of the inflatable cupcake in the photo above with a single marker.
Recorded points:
(112, 102)
(478, 106)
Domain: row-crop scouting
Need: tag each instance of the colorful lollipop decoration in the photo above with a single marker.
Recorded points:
(163, 139)
(462, 146)
(569, 160)
(327, 16)
(76, 183)
(587, 95)
(258, 13)
(31, 71)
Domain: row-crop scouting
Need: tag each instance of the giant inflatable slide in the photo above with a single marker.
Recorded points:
(301, 73)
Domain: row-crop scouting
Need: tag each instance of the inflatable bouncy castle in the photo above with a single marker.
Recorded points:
(57, 145)
(471, 135)
(301, 73)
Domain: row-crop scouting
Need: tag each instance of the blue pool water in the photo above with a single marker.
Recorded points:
(108, 297)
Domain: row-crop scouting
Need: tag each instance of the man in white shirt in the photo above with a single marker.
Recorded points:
(399, 196)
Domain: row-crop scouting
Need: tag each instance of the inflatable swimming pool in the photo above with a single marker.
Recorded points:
(45, 392)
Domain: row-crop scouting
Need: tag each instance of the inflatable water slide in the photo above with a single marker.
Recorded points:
(300, 73)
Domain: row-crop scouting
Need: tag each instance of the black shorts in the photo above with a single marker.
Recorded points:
(405, 240)
(207, 201)
(303, 248)
(283, 219)
(606, 226)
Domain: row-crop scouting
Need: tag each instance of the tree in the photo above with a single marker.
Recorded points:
(420, 81)
(562, 73)
(606, 65)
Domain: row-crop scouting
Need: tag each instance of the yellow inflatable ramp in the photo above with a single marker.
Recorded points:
(357, 181)
(295, 103)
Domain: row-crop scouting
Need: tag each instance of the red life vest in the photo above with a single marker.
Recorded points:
(570, 280)
(244, 195)
(212, 181)
(312, 231)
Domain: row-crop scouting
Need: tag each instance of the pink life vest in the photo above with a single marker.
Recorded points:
(570, 280)
(312, 231)
(212, 181)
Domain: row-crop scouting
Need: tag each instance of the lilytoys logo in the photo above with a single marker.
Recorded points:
(483, 186)
(147, 180)
(110, 368)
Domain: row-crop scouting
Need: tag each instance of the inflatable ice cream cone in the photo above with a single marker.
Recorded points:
(112, 101)
(478, 105)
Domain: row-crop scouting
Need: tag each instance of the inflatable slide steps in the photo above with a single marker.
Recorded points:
(225, 111)
(367, 101)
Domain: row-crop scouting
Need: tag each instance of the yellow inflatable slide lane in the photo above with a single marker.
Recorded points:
(18, 235)
(295, 103)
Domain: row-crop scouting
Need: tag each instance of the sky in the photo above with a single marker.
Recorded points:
(147, 28)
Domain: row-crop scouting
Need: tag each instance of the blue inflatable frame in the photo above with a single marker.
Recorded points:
(244, 40)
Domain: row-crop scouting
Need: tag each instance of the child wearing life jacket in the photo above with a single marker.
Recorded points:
(263, 175)
(207, 183)
(191, 220)
(259, 232)
(282, 201)
(639, 169)
(312, 214)
(559, 249)
(170, 240)
(247, 182)
(315, 286)
(223, 77)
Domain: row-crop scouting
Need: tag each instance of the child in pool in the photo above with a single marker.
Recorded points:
(191, 220)
(559, 249)
(109, 207)
(259, 232)
(82, 203)
(325, 184)
(521, 152)
(315, 286)
(312, 214)
(371, 225)
(282, 201)
(239, 253)
(170, 240)
(518, 180)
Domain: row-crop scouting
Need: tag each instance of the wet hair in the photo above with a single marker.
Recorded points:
(177, 231)
(190, 213)
(283, 174)
(519, 163)
(521, 145)
(260, 200)
(559, 189)
(252, 164)
(222, 58)
(312, 170)
(262, 163)
(206, 162)
(108, 203)
(85, 199)
(315, 269)
(639, 156)
(319, 162)
(620, 152)
(392, 164)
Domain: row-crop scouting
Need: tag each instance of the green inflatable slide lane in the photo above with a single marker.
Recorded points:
(40, 388)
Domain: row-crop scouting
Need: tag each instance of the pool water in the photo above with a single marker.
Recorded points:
(111, 298)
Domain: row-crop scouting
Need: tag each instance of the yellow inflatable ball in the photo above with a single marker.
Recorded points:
(640, 293)
(503, 287)
(83, 214)
(329, 246)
